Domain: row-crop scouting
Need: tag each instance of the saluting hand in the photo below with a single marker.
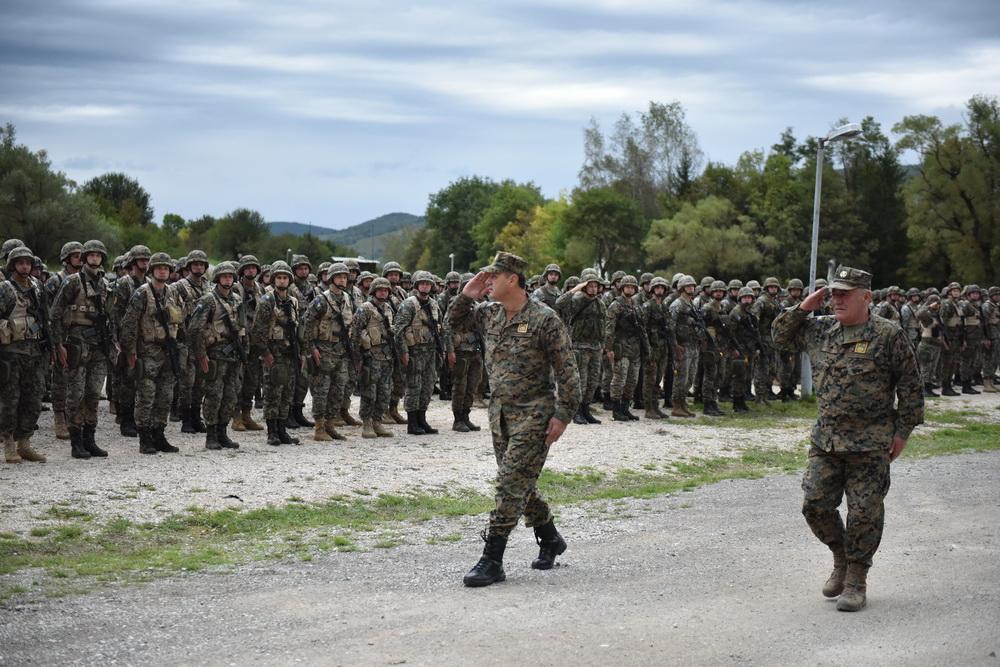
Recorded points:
(814, 301)
(477, 287)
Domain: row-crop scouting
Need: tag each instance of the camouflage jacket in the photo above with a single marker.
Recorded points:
(547, 294)
(209, 333)
(371, 331)
(141, 324)
(931, 330)
(973, 323)
(327, 323)
(584, 318)
(121, 295)
(765, 309)
(304, 292)
(887, 310)
(656, 320)
(417, 324)
(190, 292)
(23, 317)
(524, 356)
(991, 314)
(715, 324)
(857, 379)
(250, 296)
(744, 331)
(685, 320)
(623, 329)
(81, 303)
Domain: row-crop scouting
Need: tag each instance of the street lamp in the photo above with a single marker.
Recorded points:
(842, 133)
(451, 256)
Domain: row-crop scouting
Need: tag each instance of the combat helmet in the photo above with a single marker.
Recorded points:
(281, 268)
(753, 284)
(338, 267)
(248, 260)
(572, 282)
(893, 289)
(745, 291)
(379, 283)
(673, 281)
(9, 245)
(95, 246)
(645, 278)
(391, 266)
(628, 280)
(553, 267)
(222, 268)
(657, 281)
(135, 253)
(969, 289)
(196, 256)
(352, 265)
(160, 259)
(300, 260)
(994, 290)
(951, 286)
(707, 282)
(590, 276)
(717, 286)
(452, 277)
(422, 277)
(771, 281)
(466, 277)
(405, 277)
(685, 280)
(913, 291)
(616, 276)
(68, 249)
(736, 283)
(795, 283)
(323, 268)
(821, 283)
(20, 252)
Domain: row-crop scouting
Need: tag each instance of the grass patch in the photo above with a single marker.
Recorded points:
(951, 416)
(969, 438)
(65, 513)
(443, 539)
(774, 415)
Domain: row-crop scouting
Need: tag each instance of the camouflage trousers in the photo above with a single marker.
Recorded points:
(57, 388)
(652, 377)
(789, 370)
(301, 386)
(420, 376)
(327, 383)
(625, 376)
(861, 477)
(154, 387)
(607, 372)
(350, 387)
(398, 380)
(375, 382)
(250, 383)
(950, 359)
(696, 369)
(279, 386)
(991, 359)
(711, 361)
(191, 383)
(972, 360)
(23, 384)
(84, 380)
(763, 374)
(519, 446)
(222, 387)
(124, 385)
(588, 367)
(928, 355)
(465, 378)
(684, 371)
(739, 376)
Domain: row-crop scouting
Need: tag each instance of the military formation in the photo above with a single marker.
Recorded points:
(179, 341)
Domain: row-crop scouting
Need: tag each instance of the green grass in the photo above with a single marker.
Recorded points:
(968, 438)
(774, 415)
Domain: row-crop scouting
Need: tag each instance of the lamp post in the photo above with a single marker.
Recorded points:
(842, 133)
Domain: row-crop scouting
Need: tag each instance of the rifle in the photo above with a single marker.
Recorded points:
(234, 335)
(173, 353)
(102, 325)
(438, 345)
(391, 341)
(39, 303)
(290, 327)
(345, 337)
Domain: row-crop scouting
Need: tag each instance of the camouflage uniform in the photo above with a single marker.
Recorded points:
(685, 323)
(548, 293)
(326, 330)
(417, 330)
(790, 362)
(973, 338)
(715, 349)
(373, 344)
(991, 360)
(118, 301)
(931, 342)
(250, 383)
(765, 309)
(908, 318)
(444, 298)
(624, 335)
(858, 372)
(585, 318)
(745, 338)
(466, 374)
(656, 322)
(304, 292)
(952, 320)
(58, 384)
(192, 383)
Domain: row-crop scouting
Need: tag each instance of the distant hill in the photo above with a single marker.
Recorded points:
(357, 236)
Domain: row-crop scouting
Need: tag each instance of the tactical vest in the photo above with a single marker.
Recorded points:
(216, 331)
(374, 334)
(329, 328)
(971, 315)
(991, 312)
(421, 329)
(954, 319)
(82, 312)
(277, 331)
(150, 329)
(190, 294)
(20, 324)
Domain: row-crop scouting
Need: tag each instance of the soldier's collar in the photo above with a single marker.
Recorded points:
(867, 332)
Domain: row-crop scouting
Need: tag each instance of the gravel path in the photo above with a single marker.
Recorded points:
(149, 488)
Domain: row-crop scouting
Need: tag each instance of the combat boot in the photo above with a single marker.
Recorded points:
(854, 597)
(394, 413)
(413, 426)
(626, 405)
(652, 413)
(301, 418)
(160, 441)
(175, 412)
(237, 423)
(948, 390)
(248, 422)
(618, 411)
(711, 408)
(10, 450)
(283, 435)
(331, 431)
(88, 435)
(146, 445)
(76, 448)
(272, 433)
(460, 425)
(428, 429)
(550, 545)
(380, 429)
(128, 428)
(607, 404)
(489, 569)
(834, 585)
(761, 399)
(578, 417)
(187, 426)
(320, 434)
(337, 420)
(989, 387)
(196, 420)
(588, 415)
(212, 438)
(929, 391)
(740, 404)
(967, 388)
(26, 452)
(349, 420)
(368, 429)
(677, 410)
(465, 418)
(59, 424)
(223, 437)
(290, 421)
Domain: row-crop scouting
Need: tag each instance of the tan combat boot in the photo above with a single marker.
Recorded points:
(345, 414)
(248, 422)
(320, 434)
(337, 420)
(59, 425)
(368, 429)
(10, 450)
(684, 405)
(394, 413)
(989, 387)
(380, 429)
(238, 424)
(332, 432)
(677, 410)
(652, 413)
(853, 598)
(834, 586)
(27, 453)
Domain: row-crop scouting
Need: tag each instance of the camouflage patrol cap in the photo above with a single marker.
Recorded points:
(994, 290)
(323, 268)
(505, 262)
(645, 278)
(300, 260)
(422, 277)
(160, 259)
(378, 283)
(68, 249)
(735, 283)
(20, 252)
(553, 267)
(352, 265)
(629, 280)
(753, 284)
(452, 277)
(281, 268)
(707, 282)
(795, 283)
(9, 245)
(337, 268)
(572, 282)
(745, 291)
(657, 281)
(195, 256)
(717, 286)
(894, 289)
(391, 266)
(136, 252)
(248, 260)
(846, 278)
(616, 276)
(223, 268)
(685, 280)
(913, 291)
(771, 281)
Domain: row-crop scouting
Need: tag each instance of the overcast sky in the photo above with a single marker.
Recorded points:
(333, 113)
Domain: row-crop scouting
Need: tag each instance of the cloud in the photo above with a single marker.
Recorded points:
(55, 113)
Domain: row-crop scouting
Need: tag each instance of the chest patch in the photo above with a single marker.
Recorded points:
(522, 328)
(861, 348)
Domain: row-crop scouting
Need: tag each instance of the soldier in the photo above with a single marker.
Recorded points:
(908, 317)
(549, 290)
(326, 330)
(192, 385)
(607, 372)
(304, 292)
(585, 315)
(951, 318)
(464, 354)
(5, 250)
(973, 337)
(625, 343)
(392, 272)
(71, 261)
(931, 342)
(685, 325)
(417, 330)
(374, 354)
(452, 282)
(25, 351)
(745, 338)
(275, 339)
(136, 264)
(250, 292)
(991, 356)
(149, 345)
(82, 336)
(765, 309)
(755, 287)
(405, 281)
(644, 286)
(323, 274)
(716, 347)
(217, 337)
(862, 366)
(527, 348)
(889, 308)
(789, 363)
(662, 344)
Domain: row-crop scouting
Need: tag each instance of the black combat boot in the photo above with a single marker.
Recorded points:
(948, 390)
(967, 388)
(428, 429)
(88, 441)
(459, 423)
(160, 441)
(489, 569)
(196, 421)
(578, 417)
(128, 428)
(187, 426)
(146, 445)
(618, 411)
(175, 411)
(740, 404)
(711, 409)
(929, 391)
(550, 545)
(76, 448)
(223, 437)
(272, 432)
(608, 404)
(283, 434)
(301, 418)
(627, 412)
(465, 418)
(413, 426)
(588, 415)
(212, 438)
(290, 421)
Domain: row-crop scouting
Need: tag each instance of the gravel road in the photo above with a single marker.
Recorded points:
(727, 574)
